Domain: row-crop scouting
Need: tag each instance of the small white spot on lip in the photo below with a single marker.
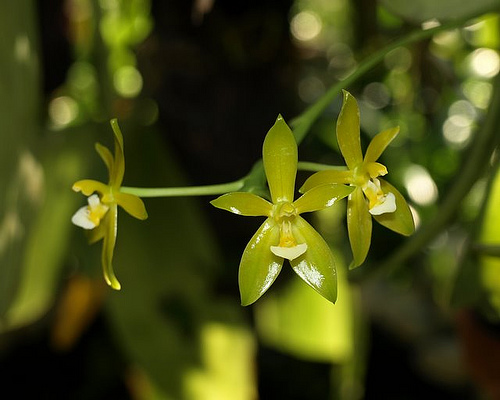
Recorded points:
(234, 210)
(290, 253)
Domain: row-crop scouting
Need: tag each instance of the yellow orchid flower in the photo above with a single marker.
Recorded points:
(284, 234)
(100, 216)
(372, 196)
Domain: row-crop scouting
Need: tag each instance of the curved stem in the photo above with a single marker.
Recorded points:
(315, 167)
(475, 163)
(185, 191)
(305, 120)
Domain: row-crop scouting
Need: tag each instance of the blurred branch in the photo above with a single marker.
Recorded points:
(302, 124)
(475, 163)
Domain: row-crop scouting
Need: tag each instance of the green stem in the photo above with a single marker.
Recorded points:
(474, 165)
(305, 120)
(207, 190)
(315, 167)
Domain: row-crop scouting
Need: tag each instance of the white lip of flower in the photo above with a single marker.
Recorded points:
(88, 217)
(380, 203)
(290, 253)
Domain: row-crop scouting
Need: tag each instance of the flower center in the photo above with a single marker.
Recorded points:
(284, 214)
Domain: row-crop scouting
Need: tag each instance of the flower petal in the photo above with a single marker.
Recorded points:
(359, 226)
(98, 232)
(348, 131)
(290, 253)
(316, 266)
(89, 186)
(131, 204)
(259, 267)
(320, 197)
(401, 220)
(108, 247)
(81, 218)
(279, 154)
(326, 177)
(379, 143)
(118, 170)
(243, 203)
(106, 156)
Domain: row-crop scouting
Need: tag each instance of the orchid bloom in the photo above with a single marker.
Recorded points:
(372, 195)
(284, 234)
(101, 213)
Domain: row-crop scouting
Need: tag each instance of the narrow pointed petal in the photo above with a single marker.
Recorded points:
(359, 226)
(320, 197)
(348, 131)
(242, 203)
(131, 204)
(316, 266)
(118, 170)
(326, 177)
(108, 247)
(379, 143)
(97, 233)
(259, 267)
(279, 154)
(89, 186)
(106, 156)
(401, 220)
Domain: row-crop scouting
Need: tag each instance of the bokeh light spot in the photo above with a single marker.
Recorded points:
(485, 62)
(420, 186)
(128, 81)
(306, 25)
(62, 111)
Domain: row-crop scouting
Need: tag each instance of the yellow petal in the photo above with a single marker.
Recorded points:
(327, 177)
(401, 220)
(89, 186)
(118, 169)
(320, 197)
(316, 266)
(348, 131)
(379, 143)
(131, 204)
(259, 267)
(108, 247)
(279, 155)
(359, 226)
(106, 156)
(242, 203)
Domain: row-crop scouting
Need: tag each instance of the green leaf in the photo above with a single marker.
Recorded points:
(280, 157)
(316, 266)
(259, 267)
(401, 220)
(379, 143)
(348, 131)
(359, 226)
(320, 197)
(296, 321)
(241, 203)
(21, 176)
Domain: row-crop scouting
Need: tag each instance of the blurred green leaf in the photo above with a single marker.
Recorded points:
(21, 177)
(423, 10)
(299, 322)
(490, 235)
